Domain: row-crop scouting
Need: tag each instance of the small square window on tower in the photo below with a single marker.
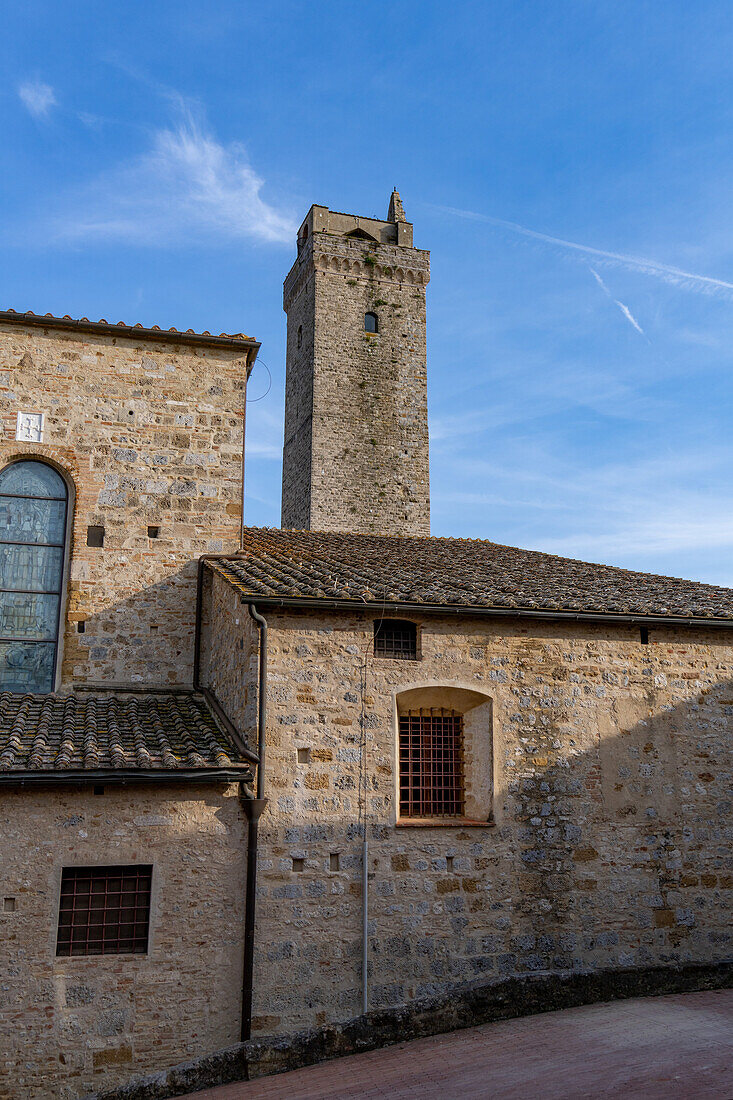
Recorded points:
(95, 536)
(395, 638)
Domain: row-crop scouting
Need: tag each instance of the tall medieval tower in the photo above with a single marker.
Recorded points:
(356, 426)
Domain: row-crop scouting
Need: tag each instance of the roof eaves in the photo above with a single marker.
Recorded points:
(488, 610)
(122, 776)
(103, 327)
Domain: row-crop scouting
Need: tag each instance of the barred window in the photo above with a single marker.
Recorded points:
(431, 763)
(104, 910)
(395, 638)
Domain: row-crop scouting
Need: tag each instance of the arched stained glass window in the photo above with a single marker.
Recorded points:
(33, 507)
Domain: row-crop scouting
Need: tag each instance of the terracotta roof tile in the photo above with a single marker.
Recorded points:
(11, 316)
(455, 573)
(111, 730)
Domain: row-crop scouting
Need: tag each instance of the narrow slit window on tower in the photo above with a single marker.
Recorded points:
(371, 323)
(300, 336)
(395, 638)
(644, 635)
(95, 536)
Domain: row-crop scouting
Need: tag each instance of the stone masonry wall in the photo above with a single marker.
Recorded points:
(369, 467)
(148, 434)
(610, 841)
(298, 444)
(69, 1026)
(230, 654)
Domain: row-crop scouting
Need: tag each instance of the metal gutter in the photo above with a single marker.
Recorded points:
(326, 604)
(120, 776)
(100, 687)
(254, 808)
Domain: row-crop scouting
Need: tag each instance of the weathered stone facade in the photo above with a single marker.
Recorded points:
(595, 756)
(70, 1025)
(608, 844)
(147, 431)
(356, 429)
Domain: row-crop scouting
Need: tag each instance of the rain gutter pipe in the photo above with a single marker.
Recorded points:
(253, 808)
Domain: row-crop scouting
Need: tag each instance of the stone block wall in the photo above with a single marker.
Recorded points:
(72, 1025)
(147, 434)
(356, 428)
(230, 654)
(299, 385)
(609, 844)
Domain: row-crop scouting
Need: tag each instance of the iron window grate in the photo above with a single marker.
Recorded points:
(431, 764)
(395, 638)
(104, 910)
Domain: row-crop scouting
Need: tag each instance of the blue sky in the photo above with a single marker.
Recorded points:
(567, 163)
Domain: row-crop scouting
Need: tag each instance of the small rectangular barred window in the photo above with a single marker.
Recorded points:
(104, 910)
(395, 638)
(431, 764)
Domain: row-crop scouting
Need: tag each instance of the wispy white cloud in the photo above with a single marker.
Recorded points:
(37, 98)
(264, 432)
(629, 316)
(686, 280)
(642, 514)
(186, 187)
(624, 309)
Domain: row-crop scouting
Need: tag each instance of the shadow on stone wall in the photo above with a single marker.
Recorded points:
(608, 852)
(624, 850)
(145, 639)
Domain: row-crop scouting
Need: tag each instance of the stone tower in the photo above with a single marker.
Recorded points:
(356, 426)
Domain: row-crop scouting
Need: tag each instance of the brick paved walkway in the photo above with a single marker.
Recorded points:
(656, 1048)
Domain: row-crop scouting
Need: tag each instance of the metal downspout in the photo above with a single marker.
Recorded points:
(253, 808)
(365, 923)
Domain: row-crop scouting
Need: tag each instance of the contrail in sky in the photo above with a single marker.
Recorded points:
(624, 309)
(676, 276)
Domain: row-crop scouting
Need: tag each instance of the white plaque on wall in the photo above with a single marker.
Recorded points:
(29, 428)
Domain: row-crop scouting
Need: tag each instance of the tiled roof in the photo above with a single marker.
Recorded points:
(441, 572)
(10, 316)
(111, 731)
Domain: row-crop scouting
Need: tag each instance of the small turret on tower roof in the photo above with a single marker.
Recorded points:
(396, 212)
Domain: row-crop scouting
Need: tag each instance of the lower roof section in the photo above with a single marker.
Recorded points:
(116, 736)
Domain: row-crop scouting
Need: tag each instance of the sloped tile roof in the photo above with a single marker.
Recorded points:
(111, 731)
(443, 572)
(111, 328)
